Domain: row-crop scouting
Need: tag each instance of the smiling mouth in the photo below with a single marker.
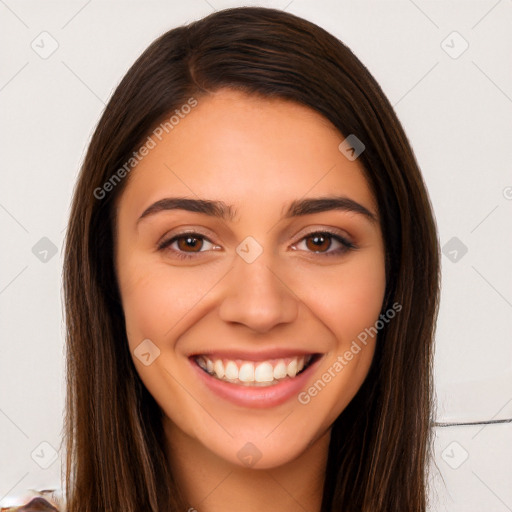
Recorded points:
(255, 373)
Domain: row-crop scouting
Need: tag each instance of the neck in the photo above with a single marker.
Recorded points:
(212, 484)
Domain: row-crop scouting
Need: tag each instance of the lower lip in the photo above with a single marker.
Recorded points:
(256, 397)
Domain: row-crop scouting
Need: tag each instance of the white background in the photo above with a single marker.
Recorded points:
(457, 113)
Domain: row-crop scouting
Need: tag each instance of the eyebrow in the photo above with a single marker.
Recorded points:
(221, 210)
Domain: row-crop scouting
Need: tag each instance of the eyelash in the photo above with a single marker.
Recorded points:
(346, 245)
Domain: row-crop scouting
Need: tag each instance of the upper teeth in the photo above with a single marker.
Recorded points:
(252, 372)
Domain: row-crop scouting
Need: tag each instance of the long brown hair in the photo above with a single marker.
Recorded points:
(381, 443)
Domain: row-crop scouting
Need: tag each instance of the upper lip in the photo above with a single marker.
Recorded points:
(262, 355)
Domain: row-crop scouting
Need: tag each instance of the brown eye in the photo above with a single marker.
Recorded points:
(189, 242)
(319, 242)
(186, 245)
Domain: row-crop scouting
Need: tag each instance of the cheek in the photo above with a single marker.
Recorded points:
(347, 302)
(156, 297)
(346, 299)
(361, 294)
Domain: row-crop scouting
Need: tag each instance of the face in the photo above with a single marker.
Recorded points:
(241, 317)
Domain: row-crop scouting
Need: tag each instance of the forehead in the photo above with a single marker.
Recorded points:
(247, 151)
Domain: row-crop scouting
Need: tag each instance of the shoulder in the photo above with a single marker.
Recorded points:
(34, 505)
(44, 501)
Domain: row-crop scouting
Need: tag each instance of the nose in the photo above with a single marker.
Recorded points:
(257, 296)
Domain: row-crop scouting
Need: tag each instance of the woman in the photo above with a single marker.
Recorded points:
(251, 282)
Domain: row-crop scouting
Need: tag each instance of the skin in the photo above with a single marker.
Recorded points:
(257, 155)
